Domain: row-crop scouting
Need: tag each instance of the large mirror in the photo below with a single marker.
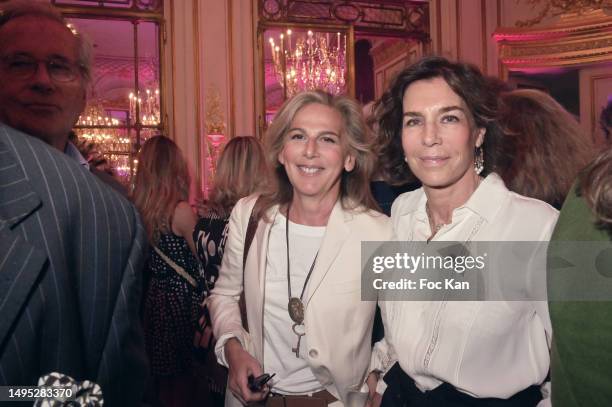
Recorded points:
(367, 41)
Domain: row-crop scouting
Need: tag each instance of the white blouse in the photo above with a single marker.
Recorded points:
(484, 349)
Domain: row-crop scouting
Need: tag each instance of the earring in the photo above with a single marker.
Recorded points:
(406, 159)
(478, 160)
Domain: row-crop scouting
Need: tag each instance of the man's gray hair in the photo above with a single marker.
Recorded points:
(21, 8)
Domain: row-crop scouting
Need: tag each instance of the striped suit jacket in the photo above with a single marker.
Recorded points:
(71, 253)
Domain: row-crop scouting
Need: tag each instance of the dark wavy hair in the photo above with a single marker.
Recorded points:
(544, 145)
(466, 81)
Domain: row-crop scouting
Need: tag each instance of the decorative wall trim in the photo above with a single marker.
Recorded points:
(231, 128)
(198, 110)
(439, 24)
(483, 31)
(458, 30)
(388, 50)
(594, 112)
(571, 42)
(400, 19)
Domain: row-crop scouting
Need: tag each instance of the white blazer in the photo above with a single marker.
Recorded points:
(338, 323)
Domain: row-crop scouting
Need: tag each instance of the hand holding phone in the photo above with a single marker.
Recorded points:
(256, 384)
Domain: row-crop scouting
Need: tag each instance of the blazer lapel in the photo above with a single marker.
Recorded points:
(336, 234)
(20, 262)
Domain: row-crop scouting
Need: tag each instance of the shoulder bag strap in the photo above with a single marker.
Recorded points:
(179, 270)
(250, 234)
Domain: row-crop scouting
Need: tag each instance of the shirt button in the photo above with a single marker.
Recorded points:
(313, 353)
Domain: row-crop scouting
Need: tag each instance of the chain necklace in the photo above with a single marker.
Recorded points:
(436, 226)
(296, 305)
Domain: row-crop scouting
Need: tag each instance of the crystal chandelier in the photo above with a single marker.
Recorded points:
(314, 61)
(98, 129)
(148, 106)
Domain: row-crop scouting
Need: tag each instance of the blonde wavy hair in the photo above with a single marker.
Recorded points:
(356, 138)
(596, 187)
(162, 181)
(241, 171)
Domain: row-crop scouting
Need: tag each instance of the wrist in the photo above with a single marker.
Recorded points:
(231, 345)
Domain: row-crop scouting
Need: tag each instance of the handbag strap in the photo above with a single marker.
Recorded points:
(179, 270)
(250, 234)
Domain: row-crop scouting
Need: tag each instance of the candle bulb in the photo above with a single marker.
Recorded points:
(338, 43)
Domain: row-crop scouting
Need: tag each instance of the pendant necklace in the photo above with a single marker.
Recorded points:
(296, 305)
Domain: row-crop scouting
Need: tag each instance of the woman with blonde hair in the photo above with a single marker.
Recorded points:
(544, 146)
(241, 170)
(310, 328)
(161, 193)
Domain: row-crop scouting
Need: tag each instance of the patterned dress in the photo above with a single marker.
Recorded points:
(171, 308)
(210, 235)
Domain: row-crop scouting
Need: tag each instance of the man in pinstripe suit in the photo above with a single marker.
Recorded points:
(46, 68)
(71, 251)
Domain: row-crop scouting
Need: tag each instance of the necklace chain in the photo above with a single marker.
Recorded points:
(301, 297)
(436, 226)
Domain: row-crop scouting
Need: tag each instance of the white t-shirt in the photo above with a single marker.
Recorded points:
(293, 374)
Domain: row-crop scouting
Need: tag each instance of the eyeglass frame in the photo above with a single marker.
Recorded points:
(75, 67)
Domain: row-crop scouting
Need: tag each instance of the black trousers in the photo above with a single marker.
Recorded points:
(402, 392)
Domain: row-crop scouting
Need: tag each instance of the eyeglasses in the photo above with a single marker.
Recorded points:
(24, 67)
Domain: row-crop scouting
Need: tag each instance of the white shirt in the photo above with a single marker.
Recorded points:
(485, 349)
(293, 374)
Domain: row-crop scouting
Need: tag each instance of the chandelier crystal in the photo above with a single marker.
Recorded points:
(148, 106)
(311, 61)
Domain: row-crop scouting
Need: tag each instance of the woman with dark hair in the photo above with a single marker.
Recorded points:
(302, 275)
(544, 146)
(161, 194)
(437, 123)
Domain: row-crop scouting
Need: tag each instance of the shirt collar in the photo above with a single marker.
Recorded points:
(74, 153)
(484, 202)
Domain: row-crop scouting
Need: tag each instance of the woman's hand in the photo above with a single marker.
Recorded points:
(374, 399)
(241, 365)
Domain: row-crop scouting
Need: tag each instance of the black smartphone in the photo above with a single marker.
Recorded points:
(256, 384)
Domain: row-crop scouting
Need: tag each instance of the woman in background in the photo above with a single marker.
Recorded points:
(241, 170)
(581, 365)
(544, 146)
(161, 193)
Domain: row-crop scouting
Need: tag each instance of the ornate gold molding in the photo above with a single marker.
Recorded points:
(399, 18)
(561, 7)
(572, 41)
